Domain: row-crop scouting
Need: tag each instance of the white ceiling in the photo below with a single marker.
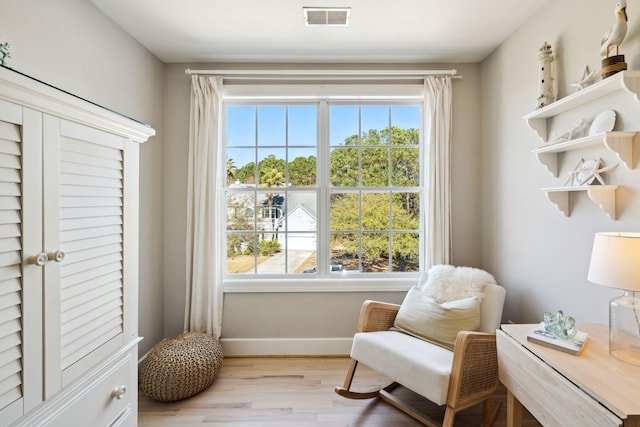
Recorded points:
(274, 30)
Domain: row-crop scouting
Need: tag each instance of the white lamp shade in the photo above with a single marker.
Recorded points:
(615, 260)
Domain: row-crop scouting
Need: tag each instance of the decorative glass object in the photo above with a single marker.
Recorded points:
(559, 325)
(624, 327)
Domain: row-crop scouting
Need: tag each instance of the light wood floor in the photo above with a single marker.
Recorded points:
(281, 392)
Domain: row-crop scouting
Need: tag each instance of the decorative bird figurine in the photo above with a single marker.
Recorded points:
(616, 34)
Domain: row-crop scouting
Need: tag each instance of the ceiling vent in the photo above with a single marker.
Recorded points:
(327, 16)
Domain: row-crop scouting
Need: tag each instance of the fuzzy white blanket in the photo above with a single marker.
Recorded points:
(446, 283)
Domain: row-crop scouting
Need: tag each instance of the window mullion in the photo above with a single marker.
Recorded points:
(324, 150)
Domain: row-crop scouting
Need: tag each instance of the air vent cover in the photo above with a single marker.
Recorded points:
(332, 16)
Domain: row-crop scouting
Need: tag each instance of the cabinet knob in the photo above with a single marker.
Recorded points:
(38, 259)
(56, 256)
(119, 392)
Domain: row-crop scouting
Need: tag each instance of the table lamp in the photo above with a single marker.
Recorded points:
(615, 262)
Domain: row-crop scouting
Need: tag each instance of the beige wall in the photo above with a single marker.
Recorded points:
(263, 316)
(541, 256)
(72, 45)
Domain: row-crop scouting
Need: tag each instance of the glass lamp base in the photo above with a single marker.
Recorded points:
(624, 328)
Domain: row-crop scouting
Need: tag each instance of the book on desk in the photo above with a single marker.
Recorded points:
(573, 346)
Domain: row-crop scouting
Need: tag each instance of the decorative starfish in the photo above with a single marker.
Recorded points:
(585, 79)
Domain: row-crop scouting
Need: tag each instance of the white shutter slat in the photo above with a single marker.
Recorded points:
(90, 170)
(9, 132)
(10, 285)
(10, 273)
(93, 181)
(89, 222)
(89, 159)
(9, 175)
(91, 227)
(10, 230)
(76, 202)
(86, 190)
(9, 202)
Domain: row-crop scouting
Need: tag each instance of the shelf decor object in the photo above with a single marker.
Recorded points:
(615, 262)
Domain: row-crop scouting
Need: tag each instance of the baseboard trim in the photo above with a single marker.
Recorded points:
(286, 346)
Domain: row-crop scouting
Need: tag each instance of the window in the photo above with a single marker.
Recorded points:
(322, 189)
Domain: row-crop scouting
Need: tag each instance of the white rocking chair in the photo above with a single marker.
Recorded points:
(461, 378)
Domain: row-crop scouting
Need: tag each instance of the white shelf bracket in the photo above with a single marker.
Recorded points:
(549, 161)
(561, 200)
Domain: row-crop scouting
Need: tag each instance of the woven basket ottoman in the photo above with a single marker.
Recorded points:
(181, 366)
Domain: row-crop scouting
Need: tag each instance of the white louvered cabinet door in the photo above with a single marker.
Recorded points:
(20, 281)
(85, 188)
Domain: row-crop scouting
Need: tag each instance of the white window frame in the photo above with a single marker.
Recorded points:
(396, 94)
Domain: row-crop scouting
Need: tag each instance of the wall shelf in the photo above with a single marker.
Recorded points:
(602, 195)
(620, 143)
(625, 81)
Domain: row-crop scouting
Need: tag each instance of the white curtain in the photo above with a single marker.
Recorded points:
(437, 206)
(203, 311)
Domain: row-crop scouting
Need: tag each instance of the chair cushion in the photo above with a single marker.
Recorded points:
(420, 315)
(419, 365)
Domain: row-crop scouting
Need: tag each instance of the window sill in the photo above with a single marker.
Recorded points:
(299, 285)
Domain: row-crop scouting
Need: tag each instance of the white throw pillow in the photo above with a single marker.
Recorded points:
(422, 316)
(449, 283)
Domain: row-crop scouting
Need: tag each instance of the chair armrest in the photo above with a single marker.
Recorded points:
(376, 316)
(474, 371)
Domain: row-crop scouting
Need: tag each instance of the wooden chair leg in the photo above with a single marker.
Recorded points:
(449, 415)
(344, 390)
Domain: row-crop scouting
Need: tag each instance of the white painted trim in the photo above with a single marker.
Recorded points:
(286, 346)
(303, 284)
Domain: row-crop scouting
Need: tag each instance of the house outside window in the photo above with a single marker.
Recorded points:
(322, 189)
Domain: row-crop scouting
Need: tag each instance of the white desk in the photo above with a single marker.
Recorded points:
(560, 389)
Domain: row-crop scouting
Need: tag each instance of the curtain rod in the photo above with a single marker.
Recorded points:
(324, 74)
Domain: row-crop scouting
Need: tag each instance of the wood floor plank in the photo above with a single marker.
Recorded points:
(290, 391)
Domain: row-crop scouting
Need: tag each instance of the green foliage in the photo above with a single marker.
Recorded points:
(269, 247)
(303, 171)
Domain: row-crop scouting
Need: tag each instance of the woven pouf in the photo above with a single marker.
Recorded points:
(181, 366)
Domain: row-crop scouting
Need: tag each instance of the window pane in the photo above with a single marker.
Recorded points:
(272, 256)
(240, 165)
(406, 117)
(272, 126)
(302, 167)
(241, 126)
(303, 125)
(344, 170)
(271, 167)
(405, 165)
(375, 252)
(406, 251)
(344, 251)
(344, 212)
(240, 253)
(375, 167)
(240, 211)
(344, 125)
(405, 211)
(301, 252)
(375, 211)
(375, 125)
(301, 211)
